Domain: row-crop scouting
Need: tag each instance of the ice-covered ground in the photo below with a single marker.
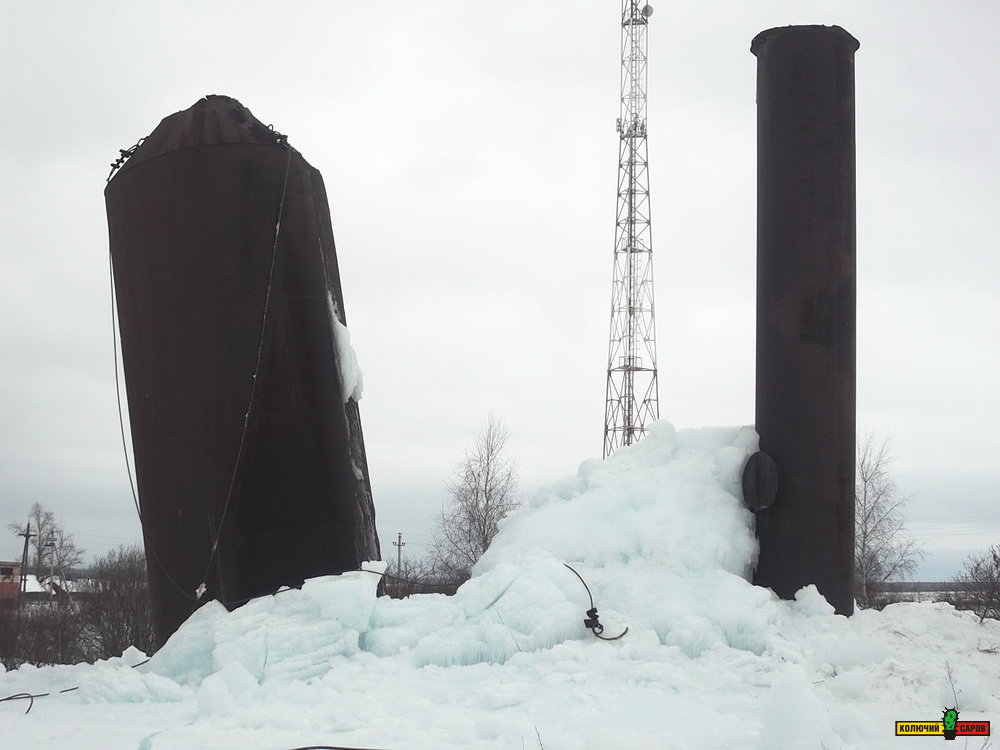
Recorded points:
(659, 534)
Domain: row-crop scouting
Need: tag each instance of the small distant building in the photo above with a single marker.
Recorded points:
(10, 583)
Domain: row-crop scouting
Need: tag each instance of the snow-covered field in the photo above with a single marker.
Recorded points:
(660, 536)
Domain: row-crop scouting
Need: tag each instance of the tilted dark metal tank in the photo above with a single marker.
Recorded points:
(249, 455)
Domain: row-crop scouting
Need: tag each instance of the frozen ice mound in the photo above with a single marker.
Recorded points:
(658, 531)
(661, 537)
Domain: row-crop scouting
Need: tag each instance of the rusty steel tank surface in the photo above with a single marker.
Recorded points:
(805, 393)
(249, 456)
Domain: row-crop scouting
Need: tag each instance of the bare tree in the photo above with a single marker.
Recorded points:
(980, 579)
(53, 550)
(481, 492)
(882, 550)
(118, 612)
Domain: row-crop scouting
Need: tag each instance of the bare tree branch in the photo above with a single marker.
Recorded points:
(882, 550)
(981, 584)
(482, 490)
(119, 614)
(53, 551)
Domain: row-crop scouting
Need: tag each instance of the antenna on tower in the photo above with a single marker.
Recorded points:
(632, 397)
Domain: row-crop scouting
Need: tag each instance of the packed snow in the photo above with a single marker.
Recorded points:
(660, 536)
(347, 359)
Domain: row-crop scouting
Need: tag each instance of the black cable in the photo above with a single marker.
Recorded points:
(31, 696)
(591, 622)
(124, 155)
(282, 141)
(121, 427)
(21, 696)
(256, 371)
(118, 389)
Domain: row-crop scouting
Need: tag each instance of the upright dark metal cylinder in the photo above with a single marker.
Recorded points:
(806, 308)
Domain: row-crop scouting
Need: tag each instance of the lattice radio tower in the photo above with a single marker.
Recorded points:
(632, 400)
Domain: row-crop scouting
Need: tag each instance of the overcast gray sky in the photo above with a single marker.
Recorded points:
(470, 156)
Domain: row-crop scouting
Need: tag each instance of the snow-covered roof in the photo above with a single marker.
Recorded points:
(32, 585)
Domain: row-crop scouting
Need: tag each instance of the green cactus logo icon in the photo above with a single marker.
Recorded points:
(950, 720)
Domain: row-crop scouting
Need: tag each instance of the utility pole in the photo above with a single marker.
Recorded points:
(24, 561)
(399, 544)
(52, 562)
(632, 395)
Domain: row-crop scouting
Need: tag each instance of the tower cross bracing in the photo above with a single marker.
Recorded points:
(632, 397)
